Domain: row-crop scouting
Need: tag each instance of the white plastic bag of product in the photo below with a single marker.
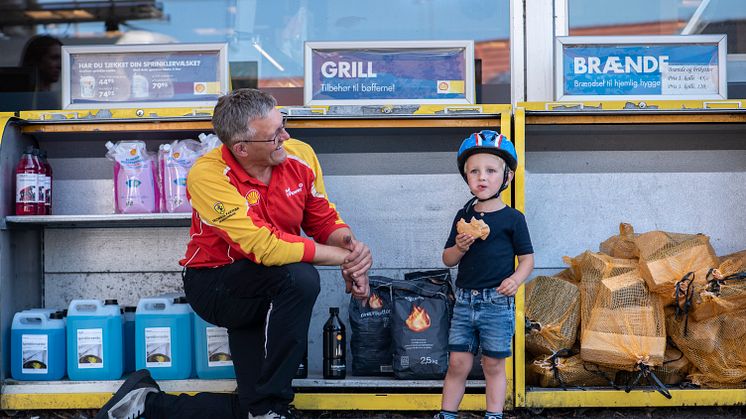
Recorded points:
(208, 142)
(175, 160)
(135, 175)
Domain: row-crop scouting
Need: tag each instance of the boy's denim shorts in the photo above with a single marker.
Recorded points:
(482, 318)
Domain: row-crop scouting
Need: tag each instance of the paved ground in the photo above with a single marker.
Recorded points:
(647, 413)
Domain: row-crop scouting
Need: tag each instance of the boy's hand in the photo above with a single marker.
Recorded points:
(464, 241)
(508, 287)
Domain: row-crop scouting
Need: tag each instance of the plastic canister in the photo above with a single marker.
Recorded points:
(94, 340)
(37, 351)
(163, 337)
(129, 338)
(212, 354)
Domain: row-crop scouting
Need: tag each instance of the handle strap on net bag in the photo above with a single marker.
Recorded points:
(684, 293)
(647, 373)
(715, 279)
(553, 366)
(531, 325)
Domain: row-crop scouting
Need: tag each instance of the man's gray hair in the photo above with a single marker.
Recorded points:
(236, 110)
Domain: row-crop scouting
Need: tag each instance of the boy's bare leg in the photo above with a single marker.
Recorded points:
(459, 367)
(496, 384)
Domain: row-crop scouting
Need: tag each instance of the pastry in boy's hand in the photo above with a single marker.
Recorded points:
(475, 228)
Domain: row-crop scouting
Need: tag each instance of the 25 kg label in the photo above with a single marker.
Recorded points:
(427, 360)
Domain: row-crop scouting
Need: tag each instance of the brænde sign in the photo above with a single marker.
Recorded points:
(640, 67)
(401, 72)
(172, 75)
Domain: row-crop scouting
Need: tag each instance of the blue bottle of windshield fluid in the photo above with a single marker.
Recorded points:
(37, 345)
(94, 340)
(163, 337)
(212, 355)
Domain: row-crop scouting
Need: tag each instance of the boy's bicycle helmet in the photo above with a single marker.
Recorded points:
(492, 142)
(487, 141)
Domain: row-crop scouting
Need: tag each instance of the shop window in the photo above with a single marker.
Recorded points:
(281, 29)
(266, 38)
(669, 17)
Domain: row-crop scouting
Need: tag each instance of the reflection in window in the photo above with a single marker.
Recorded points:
(281, 30)
(669, 17)
(663, 17)
(268, 37)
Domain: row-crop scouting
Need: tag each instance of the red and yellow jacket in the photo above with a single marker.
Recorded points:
(235, 216)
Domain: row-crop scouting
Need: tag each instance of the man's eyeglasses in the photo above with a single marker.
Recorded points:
(274, 139)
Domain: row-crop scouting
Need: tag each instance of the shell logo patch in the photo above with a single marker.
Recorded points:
(252, 197)
(219, 208)
(450, 86)
(206, 88)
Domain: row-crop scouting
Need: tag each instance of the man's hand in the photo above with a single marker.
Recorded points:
(356, 266)
(360, 288)
(359, 261)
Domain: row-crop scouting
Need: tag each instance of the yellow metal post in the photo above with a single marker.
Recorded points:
(519, 357)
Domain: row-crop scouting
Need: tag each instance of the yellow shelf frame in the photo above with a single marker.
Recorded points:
(303, 401)
(556, 398)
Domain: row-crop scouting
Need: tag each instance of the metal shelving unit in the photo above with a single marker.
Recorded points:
(658, 128)
(103, 221)
(76, 139)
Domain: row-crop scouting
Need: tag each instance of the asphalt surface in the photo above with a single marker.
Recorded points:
(600, 413)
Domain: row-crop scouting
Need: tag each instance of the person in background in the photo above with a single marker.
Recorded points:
(487, 280)
(247, 267)
(43, 52)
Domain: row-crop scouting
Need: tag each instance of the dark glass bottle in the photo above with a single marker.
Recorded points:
(335, 344)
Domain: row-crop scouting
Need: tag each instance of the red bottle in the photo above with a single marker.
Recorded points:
(41, 189)
(27, 184)
(47, 182)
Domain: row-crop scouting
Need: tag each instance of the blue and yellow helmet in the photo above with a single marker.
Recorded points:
(487, 141)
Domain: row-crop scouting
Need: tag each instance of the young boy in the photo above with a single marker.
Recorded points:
(486, 283)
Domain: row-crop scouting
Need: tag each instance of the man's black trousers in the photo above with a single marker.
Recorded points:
(267, 311)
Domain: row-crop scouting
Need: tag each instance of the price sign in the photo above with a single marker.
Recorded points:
(651, 67)
(144, 75)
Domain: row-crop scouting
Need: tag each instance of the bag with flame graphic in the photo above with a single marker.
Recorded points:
(370, 323)
(421, 319)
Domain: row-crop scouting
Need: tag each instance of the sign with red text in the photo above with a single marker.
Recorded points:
(179, 75)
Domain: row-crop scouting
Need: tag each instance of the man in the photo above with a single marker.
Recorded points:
(247, 266)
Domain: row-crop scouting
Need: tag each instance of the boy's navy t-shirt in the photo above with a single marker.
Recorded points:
(490, 261)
